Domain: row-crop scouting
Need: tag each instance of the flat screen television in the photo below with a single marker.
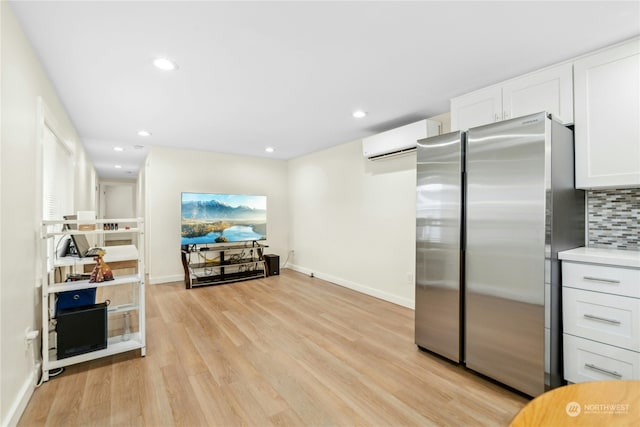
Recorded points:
(223, 218)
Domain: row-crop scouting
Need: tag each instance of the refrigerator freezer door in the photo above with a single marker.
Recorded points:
(438, 231)
(506, 231)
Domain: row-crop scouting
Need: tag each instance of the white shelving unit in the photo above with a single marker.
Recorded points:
(126, 256)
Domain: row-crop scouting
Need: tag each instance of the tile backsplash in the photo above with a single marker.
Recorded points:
(614, 218)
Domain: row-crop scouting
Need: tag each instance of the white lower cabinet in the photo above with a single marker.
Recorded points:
(587, 360)
(610, 319)
(601, 316)
(602, 279)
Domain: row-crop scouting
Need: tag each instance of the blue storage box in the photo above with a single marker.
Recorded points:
(74, 299)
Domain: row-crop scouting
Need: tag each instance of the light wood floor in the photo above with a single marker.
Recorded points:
(286, 350)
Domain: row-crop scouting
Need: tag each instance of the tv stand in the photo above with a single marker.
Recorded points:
(214, 265)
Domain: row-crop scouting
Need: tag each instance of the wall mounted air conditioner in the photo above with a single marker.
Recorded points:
(398, 141)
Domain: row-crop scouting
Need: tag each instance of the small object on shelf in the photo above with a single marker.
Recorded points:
(86, 220)
(126, 336)
(101, 272)
(76, 277)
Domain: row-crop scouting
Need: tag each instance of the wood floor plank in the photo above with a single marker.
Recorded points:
(187, 354)
(213, 401)
(287, 350)
(186, 410)
(160, 348)
(154, 397)
(125, 392)
(39, 408)
(65, 407)
(96, 397)
(312, 401)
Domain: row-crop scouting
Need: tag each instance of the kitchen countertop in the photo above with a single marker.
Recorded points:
(617, 257)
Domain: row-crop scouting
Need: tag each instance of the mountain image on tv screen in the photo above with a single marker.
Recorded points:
(223, 218)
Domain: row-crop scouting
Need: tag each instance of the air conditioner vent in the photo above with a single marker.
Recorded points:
(399, 141)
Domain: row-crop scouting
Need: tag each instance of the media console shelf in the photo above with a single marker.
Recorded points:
(212, 265)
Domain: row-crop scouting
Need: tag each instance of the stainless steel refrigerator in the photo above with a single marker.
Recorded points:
(438, 244)
(519, 209)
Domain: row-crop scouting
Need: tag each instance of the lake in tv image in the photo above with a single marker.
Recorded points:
(221, 218)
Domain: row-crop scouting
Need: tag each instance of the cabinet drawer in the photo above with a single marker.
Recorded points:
(601, 278)
(610, 319)
(586, 360)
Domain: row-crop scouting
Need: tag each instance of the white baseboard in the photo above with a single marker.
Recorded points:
(20, 403)
(166, 279)
(405, 302)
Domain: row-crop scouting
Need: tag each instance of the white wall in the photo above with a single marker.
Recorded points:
(353, 221)
(23, 81)
(86, 181)
(119, 200)
(170, 172)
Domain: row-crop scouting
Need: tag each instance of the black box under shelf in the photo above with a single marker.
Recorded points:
(81, 330)
(272, 263)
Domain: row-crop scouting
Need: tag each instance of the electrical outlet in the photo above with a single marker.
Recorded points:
(410, 278)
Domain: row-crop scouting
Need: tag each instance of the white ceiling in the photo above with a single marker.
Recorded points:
(289, 74)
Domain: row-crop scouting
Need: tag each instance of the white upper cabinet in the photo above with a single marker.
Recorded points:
(548, 90)
(476, 108)
(607, 122)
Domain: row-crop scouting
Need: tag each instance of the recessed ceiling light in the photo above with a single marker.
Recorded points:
(118, 149)
(118, 167)
(269, 149)
(359, 114)
(144, 133)
(164, 64)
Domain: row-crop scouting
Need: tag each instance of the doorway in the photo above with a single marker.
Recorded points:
(117, 200)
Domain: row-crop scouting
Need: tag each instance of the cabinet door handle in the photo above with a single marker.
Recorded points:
(598, 279)
(496, 117)
(604, 371)
(602, 319)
